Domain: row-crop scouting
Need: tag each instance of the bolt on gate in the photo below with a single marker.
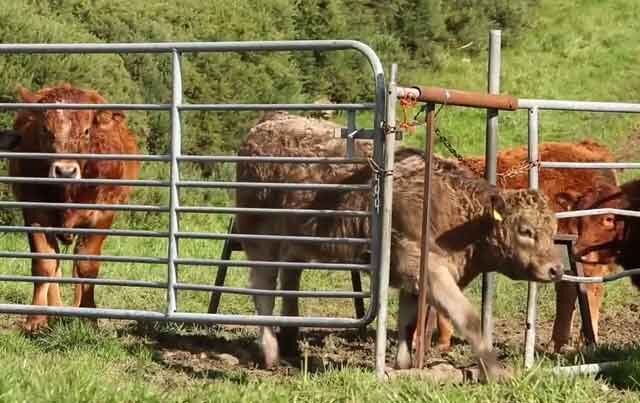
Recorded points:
(173, 260)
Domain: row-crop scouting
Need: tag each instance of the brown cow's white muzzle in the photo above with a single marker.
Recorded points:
(64, 170)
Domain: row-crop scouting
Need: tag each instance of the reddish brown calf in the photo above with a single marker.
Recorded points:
(69, 131)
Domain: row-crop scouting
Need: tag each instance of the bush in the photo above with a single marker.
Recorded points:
(413, 32)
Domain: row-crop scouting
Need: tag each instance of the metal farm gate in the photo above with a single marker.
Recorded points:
(172, 260)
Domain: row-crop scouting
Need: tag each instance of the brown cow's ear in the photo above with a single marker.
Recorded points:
(26, 95)
(9, 139)
(567, 200)
(107, 117)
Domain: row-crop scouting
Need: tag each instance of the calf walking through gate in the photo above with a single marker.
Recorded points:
(476, 227)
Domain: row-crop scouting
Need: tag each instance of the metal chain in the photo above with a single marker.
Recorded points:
(378, 174)
(501, 178)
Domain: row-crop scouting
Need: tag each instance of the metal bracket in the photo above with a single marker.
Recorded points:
(360, 134)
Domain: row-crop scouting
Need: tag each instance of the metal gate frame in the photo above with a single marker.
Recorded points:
(380, 211)
(534, 106)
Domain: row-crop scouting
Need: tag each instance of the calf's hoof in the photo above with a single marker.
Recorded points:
(495, 373)
(444, 347)
(35, 323)
(270, 350)
(403, 359)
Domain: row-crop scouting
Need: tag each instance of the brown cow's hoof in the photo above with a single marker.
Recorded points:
(35, 323)
(443, 347)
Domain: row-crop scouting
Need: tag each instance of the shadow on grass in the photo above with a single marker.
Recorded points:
(233, 354)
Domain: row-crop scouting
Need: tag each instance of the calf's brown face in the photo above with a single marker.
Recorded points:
(522, 236)
(596, 233)
(62, 131)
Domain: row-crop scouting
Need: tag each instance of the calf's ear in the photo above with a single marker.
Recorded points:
(498, 207)
(9, 140)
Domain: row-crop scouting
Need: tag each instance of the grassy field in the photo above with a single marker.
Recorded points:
(586, 50)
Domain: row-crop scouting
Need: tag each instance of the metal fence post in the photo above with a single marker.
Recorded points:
(532, 294)
(385, 254)
(424, 245)
(173, 190)
(491, 155)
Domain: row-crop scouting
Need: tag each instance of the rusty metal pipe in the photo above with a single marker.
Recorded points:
(424, 247)
(446, 96)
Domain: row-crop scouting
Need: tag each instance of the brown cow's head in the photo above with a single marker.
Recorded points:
(597, 234)
(523, 228)
(62, 130)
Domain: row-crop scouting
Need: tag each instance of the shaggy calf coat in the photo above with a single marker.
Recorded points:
(475, 227)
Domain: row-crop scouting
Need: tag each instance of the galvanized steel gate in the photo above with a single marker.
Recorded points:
(378, 265)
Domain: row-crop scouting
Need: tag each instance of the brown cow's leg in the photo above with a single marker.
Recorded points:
(87, 245)
(566, 296)
(595, 294)
(53, 296)
(289, 280)
(90, 245)
(446, 295)
(41, 243)
(445, 333)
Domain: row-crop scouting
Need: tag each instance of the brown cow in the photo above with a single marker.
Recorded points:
(474, 225)
(608, 238)
(70, 131)
(555, 183)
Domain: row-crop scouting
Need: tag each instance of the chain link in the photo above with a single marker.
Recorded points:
(501, 178)
(410, 126)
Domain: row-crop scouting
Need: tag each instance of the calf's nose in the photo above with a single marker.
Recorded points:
(555, 271)
(66, 170)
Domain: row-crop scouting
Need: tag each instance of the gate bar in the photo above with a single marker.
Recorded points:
(174, 152)
(491, 163)
(385, 255)
(187, 158)
(532, 292)
(447, 96)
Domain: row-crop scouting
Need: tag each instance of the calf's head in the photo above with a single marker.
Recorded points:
(523, 226)
(61, 130)
(598, 235)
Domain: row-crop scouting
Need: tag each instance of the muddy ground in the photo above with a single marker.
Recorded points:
(224, 351)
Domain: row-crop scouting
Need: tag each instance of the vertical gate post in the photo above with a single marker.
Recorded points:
(385, 254)
(173, 190)
(491, 155)
(424, 247)
(532, 294)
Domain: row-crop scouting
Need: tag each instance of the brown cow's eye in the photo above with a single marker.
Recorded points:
(608, 222)
(86, 132)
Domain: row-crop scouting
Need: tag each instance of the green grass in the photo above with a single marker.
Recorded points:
(585, 50)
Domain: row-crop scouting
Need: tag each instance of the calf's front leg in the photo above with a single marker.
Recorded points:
(43, 293)
(87, 245)
(445, 294)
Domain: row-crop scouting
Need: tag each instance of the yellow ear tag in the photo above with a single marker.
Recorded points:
(496, 215)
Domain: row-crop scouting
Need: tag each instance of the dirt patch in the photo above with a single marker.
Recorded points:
(220, 351)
